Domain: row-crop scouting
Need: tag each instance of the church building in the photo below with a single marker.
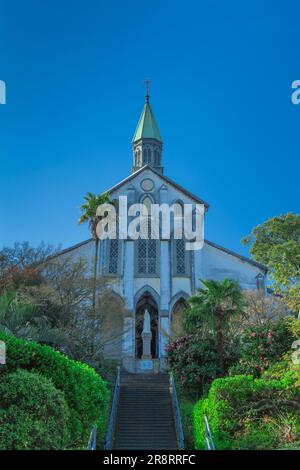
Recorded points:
(157, 275)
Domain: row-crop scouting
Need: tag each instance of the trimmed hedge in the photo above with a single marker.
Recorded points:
(248, 413)
(85, 391)
(33, 413)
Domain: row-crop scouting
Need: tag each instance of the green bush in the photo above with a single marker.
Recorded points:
(195, 363)
(264, 345)
(33, 413)
(244, 412)
(186, 411)
(287, 372)
(85, 391)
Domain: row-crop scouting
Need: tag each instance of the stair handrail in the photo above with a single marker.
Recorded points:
(92, 439)
(176, 411)
(113, 413)
(208, 435)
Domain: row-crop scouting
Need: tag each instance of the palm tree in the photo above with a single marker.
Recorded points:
(88, 209)
(214, 305)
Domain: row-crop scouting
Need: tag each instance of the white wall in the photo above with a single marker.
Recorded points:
(218, 264)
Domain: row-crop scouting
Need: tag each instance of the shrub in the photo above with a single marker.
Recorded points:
(195, 363)
(244, 412)
(85, 391)
(186, 411)
(287, 372)
(33, 413)
(264, 345)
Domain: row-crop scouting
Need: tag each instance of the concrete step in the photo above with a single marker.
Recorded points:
(145, 416)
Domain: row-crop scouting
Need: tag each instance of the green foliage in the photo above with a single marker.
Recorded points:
(186, 411)
(285, 371)
(264, 345)
(213, 308)
(89, 207)
(276, 243)
(33, 413)
(248, 413)
(25, 320)
(194, 362)
(84, 390)
(89, 214)
(226, 294)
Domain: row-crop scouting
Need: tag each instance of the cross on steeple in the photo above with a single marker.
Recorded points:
(147, 81)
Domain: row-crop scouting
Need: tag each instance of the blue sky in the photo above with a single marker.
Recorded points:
(221, 76)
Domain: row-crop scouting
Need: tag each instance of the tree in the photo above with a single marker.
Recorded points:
(276, 243)
(259, 309)
(20, 264)
(214, 305)
(88, 209)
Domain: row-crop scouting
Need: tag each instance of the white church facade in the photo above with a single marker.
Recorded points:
(158, 275)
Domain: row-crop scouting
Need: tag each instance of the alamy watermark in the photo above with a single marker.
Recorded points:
(2, 92)
(295, 96)
(152, 221)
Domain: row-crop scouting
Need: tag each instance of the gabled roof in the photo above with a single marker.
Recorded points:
(214, 245)
(164, 178)
(70, 248)
(237, 255)
(147, 127)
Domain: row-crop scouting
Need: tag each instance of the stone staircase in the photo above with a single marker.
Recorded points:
(145, 416)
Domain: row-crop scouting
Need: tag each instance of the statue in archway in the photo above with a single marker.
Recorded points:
(146, 336)
(146, 322)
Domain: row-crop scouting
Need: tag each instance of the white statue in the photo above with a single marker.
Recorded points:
(146, 324)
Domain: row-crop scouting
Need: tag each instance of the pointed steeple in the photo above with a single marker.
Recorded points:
(147, 141)
(147, 127)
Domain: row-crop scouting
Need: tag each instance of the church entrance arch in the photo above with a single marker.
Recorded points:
(146, 301)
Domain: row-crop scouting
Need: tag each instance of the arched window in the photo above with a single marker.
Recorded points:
(145, 156)
(113, 256)
(156, 159)
(147, 201)
(178, 316)
(147, 257)
(181, 257)
(178, 219)
(180, 262)
(147, 248)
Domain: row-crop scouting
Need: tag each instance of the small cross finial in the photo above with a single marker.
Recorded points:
(147, 81)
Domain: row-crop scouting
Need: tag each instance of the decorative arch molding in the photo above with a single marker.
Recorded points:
(180, 295)
(147, 297)
(147, 195)
(139, 294)
(178, 201)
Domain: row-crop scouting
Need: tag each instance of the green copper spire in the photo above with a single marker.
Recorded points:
(147, 127)
(147, 142)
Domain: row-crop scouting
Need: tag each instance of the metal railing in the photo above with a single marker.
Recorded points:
(176, 411)
(208, 436)
(113, 413)
(93, 439)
